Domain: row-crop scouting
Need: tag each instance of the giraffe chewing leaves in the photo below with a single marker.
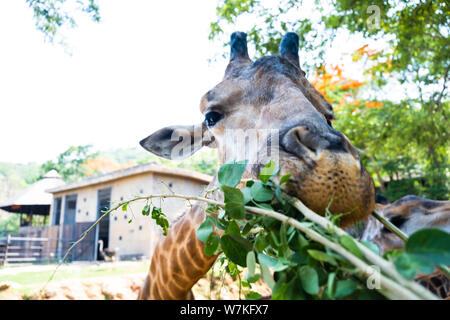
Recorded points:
(302, 268)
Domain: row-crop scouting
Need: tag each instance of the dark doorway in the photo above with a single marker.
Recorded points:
(104, 203)
(70, 210)
(56, 211)
(69, 232)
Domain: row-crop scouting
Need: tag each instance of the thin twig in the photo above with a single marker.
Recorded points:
(390, 226)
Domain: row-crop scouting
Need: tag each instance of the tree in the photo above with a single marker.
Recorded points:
(53, 15)
(404, 141)
(71, 163)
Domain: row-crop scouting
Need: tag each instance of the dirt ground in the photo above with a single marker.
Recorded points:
(116, 287)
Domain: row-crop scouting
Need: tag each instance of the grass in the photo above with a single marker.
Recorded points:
(31, 279)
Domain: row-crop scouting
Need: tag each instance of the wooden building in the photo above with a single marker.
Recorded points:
(72, 208)
(77, 205)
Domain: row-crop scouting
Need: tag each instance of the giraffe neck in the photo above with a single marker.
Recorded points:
(179, 261)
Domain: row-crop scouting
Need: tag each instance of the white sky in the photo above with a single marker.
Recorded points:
(144, 66)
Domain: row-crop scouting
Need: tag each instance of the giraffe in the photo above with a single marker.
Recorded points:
(410, 213)
(269, 93)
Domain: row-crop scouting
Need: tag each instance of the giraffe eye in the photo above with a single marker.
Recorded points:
(212, 118)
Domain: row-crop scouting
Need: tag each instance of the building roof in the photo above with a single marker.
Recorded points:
(132, 171)
(34, 199)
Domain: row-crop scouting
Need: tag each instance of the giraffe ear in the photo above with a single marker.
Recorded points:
(176, 142)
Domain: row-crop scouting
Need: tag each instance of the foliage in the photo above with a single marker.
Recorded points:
(70, 163)
(101, 165)
(424, 250)
(319, 262)
(303, 268)
(406, 141)
(53, 15)
(9, 223)
(157, 215)
(16, 176)
(204, 161)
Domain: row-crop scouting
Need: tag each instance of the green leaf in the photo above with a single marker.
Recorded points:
(236, 248)
(233, 227)
(267, 260)
(274, 263)
(248, 226)
(309, 279)
(322, 256)
(429, 246)
(235, 210)
(156, 212)
(124, 206)
(230, 174)
(215, 222)
(247, 195)
(285, 178)
(268, 171)
(267, 276)
(252, 295)
(232, 195)
(163, 223)
(260, 192)
(279, 195)
(205, 230)
(425, 249)
(212, 209)
(349, 244)
(344, 288)
(234, 202)
(265, 206)
(287, 289)
(299, 258)
(251, 263)
(261, 243)
(331, 284)
(298, 242)
(211, 244)
(252, 279)
(146, 210)
(405, 265)
(372, 246)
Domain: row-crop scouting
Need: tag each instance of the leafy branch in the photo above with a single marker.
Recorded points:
(311, 257)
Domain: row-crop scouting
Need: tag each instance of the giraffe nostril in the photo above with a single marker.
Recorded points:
(295, 141)
(302, 138)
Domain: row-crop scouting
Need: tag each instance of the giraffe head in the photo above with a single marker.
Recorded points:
(275, 113)
(409, 214)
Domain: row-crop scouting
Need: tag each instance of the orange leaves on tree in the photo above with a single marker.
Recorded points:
(330, 81)
(351, 84)
(364, 51)
(338, 89)
(103, 165)
(373, 104)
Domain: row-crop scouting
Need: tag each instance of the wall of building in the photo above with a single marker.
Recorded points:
(140, 236)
